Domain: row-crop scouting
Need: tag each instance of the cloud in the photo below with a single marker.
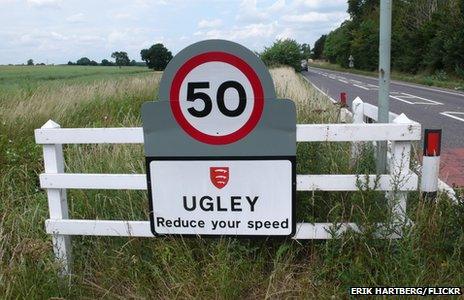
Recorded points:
(38, 37)
(89, 39)
(240, 33)
(209, 23)
(76, 18)
(287, 33)
(322, 4)
(249, 12)
(44, 3)
(277, 6)
(151, 3)
(122, 16)
(117, 36)
(312, 17)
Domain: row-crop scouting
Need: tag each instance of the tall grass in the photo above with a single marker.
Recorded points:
(228, 268)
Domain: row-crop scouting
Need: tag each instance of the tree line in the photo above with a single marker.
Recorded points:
(427, 36)
(121, 59)
(281, 52)
(156, 57)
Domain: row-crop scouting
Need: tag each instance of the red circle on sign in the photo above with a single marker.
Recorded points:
(250, 74)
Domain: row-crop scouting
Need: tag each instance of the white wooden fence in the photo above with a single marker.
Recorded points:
(400, 180)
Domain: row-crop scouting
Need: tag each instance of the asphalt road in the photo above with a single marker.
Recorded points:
(434, 108)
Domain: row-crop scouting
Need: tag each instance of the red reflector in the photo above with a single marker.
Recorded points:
(343, 98)
(432, 141)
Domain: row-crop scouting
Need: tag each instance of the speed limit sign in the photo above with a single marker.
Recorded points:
(220, 147)
(217, 98)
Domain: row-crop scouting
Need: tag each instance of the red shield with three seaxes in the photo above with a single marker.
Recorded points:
(219, 176)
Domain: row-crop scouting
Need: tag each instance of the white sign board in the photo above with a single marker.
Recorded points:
(214, 197)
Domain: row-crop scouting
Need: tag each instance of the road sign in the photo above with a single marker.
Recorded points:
(237, 90)
(225, 197)
(220, 148)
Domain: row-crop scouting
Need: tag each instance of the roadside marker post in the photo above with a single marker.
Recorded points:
(343, 99)
(220, 147)
(431, 163)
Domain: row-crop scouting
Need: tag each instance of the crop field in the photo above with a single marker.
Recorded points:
(431, 253)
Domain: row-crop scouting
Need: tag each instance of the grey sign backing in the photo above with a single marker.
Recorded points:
(274, 134)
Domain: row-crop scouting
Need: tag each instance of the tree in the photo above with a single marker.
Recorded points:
(283, 52)
(318, 48)
(365, 55)
(121, 58)
(337, 45)
(84, 61)
(106, 62)
(30, 62)
(156, 57)
(427, 36)
(305, 51)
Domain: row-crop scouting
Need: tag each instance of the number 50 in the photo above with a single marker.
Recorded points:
(193, 96)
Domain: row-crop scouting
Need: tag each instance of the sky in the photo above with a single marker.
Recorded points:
(58, 31)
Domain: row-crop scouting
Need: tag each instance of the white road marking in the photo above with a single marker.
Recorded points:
(361, 87)
(428, 89)
(425, 99)
(409, 85)
(402, 100)
(451, 113)
(403, 96)
(400, 96)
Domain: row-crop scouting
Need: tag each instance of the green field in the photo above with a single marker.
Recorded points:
(19, 77)
(431, 252)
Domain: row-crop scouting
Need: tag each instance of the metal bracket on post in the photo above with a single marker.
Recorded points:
(57, 201)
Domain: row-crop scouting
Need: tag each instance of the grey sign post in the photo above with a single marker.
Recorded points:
(220, 147)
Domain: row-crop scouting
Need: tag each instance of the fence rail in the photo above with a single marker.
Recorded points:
(304, 133)
(142, 228)
(401, 132)
(304, 182)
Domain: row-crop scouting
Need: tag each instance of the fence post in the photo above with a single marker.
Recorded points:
(400, 171)
(358, 111)
(57, 201)
(431, 163)
(358, 118)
